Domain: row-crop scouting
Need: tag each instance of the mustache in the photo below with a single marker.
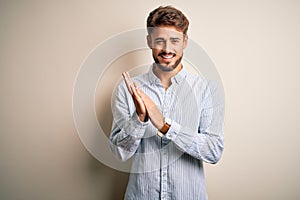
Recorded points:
(165, 53)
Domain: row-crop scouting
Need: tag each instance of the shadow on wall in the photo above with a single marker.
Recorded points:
(110, 183)
(117, 180)
(113, 181)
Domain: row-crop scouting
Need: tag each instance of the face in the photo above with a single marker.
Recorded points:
(167, 46)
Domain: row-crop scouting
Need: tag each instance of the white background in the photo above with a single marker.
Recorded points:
(254, 44)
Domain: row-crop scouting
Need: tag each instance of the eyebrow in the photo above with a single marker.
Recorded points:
(175, 38)
(172, 38)
(159, 38)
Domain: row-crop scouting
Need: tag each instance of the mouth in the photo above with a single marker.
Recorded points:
(167, 57)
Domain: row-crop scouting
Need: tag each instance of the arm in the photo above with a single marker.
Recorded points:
(127, 129)
(208, 142)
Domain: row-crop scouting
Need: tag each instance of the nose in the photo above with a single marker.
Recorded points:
(167, 47)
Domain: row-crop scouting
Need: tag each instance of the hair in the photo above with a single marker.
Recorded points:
(167, 16)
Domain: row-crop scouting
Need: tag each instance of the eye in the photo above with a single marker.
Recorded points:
(159, 41)
(175, 40)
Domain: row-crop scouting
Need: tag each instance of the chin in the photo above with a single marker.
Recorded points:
(166, 68)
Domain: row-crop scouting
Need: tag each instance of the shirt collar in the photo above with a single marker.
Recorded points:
(178, 78)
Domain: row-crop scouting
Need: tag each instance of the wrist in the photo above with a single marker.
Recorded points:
(159, 127)
(142, 117)
(166, 126)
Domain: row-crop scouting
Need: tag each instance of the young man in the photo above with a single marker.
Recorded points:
(169, 121)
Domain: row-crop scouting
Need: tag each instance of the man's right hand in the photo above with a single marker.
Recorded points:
(138, 102)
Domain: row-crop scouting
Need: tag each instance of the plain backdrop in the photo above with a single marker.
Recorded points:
(254, 44)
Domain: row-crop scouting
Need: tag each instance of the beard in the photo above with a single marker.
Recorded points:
(169, 67)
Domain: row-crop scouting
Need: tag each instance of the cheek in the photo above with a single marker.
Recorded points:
(179, 52)
(155, 51)
(178, 49)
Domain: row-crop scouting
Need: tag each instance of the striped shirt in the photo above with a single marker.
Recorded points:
(169, 167)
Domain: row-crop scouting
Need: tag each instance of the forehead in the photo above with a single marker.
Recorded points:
(165, 32)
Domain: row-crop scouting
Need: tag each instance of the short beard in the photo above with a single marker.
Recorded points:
(169, 68)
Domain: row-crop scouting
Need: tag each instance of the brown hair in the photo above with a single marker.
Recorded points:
(167, 16)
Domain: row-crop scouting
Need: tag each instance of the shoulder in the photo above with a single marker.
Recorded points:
(141, 78)
(196, 80)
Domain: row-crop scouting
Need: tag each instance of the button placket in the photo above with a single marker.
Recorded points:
(164, 180)
(164, 153)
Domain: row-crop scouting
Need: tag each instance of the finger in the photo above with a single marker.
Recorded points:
(128, 78)
(136, 85)
(138, 90)
(135, 91)
(127, 81)
(131, 85)
(147, 100)
(137, 99)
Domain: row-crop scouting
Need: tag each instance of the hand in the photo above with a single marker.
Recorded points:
(138, 102)
(153, 112)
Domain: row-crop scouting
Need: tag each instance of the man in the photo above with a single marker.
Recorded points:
(169, 121)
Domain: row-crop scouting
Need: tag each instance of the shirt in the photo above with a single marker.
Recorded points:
(170, 167)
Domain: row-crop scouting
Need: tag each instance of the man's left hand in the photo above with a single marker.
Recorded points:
(154, 113)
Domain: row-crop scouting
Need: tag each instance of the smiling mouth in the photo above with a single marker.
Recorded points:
(167, 55)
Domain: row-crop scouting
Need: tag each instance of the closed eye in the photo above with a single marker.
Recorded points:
(159, 41)
(175, 40)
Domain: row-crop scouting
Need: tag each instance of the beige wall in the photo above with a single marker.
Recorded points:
(254, 44)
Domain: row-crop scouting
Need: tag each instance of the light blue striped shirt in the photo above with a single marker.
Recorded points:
(170, 167)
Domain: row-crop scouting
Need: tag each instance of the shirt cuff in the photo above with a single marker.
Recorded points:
(135, 118)
(137, 127)
(183, 139)
(173, 131)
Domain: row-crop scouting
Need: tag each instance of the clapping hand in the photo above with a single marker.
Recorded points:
(144, 105)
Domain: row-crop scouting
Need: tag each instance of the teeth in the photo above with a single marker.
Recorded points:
(168, 56)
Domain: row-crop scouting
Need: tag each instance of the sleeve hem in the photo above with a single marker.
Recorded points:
(173, 131)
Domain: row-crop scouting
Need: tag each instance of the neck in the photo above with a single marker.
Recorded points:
(165, 76)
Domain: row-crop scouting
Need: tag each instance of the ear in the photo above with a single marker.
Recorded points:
(185, 40)
(149, 41)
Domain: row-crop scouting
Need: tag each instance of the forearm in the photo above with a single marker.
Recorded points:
(205, 142)
(206, 146)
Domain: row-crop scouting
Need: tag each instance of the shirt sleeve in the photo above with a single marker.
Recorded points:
(207, 143)
(127, 130)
